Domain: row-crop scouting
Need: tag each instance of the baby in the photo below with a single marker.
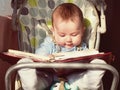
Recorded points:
(68, 30)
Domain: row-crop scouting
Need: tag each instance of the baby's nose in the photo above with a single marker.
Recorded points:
(68, 39)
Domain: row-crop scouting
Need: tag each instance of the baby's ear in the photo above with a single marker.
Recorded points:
(84, 29)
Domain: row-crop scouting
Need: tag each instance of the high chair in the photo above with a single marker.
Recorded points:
(32, 19)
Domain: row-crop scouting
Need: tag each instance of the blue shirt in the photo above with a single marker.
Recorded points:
(49, 47)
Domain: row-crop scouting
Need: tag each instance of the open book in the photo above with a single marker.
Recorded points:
(84, 56)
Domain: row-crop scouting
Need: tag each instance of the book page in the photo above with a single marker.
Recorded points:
(56, 56)
(74, 54)
(27, 55)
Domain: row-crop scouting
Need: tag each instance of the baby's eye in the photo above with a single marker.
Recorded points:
(74, 34)
(62, 35)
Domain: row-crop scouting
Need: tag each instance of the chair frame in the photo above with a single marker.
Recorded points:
(108, 67)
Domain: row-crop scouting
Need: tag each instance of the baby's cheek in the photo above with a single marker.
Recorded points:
(77, 41)
(59, 40)
(61, 43)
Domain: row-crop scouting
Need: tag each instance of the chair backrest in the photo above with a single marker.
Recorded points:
(34, 18)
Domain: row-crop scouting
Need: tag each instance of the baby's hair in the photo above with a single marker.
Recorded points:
(67, 11)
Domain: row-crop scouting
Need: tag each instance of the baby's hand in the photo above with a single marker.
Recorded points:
(52, 58)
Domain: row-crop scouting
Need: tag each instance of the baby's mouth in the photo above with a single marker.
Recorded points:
(69, 45)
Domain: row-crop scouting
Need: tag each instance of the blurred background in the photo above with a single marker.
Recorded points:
(110, 41)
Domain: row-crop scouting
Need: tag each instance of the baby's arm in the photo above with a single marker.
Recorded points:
(45, 47)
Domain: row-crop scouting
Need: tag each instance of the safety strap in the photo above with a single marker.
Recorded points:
(16, 4)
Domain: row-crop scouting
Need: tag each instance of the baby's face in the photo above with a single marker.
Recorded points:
(67, 33)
